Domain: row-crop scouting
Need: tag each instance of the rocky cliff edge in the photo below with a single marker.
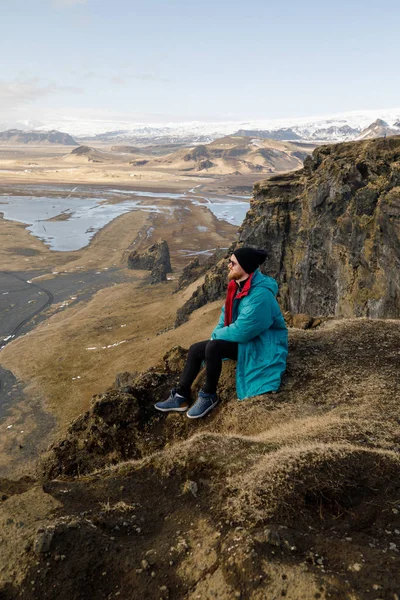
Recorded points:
(332, 232)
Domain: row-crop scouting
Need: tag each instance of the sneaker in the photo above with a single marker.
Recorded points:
(203, 405)
(174, 403)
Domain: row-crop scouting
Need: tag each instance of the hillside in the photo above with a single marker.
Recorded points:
(294, 494)
(16, 136)
(88, 154)
(233, 154)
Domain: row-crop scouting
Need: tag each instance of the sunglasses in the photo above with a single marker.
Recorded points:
(231, 263)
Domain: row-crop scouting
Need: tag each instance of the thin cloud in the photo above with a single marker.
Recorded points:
(150, 77)
(125, 78)
(67, 3)
(24, 91)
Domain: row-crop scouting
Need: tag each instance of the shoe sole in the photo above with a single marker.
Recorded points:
(182, 409)
(203, 414)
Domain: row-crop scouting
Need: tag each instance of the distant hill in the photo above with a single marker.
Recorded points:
(88, 154)
(331, 133)
(234, 154)
(284, 133)
(17, 136)
(334, 132)
(149, 135)
(378, 128)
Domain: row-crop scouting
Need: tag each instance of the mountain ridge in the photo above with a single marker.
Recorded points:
(17, 136)
(203, 131)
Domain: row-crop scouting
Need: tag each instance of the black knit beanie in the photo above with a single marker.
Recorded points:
(250, 258)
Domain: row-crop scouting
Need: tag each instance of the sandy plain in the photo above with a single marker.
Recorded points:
(25, 164)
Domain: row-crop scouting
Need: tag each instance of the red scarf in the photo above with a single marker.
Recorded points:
(231, 295)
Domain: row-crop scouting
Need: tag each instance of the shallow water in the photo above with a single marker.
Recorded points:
(82, 216)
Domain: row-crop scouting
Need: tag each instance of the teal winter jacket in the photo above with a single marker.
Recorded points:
(260, 330)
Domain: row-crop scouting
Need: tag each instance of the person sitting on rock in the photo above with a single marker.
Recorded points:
(251, 330)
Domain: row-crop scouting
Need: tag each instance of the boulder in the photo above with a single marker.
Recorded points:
(302, 321)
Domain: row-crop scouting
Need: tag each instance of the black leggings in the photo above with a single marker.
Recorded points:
(211, 352)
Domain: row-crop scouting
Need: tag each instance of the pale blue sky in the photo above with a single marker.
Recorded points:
(206, 60)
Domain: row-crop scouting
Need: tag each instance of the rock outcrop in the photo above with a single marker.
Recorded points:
(198, 267)
(332, 232)
(213, 288)
(156, 259)
(16, 136)
(89, 154)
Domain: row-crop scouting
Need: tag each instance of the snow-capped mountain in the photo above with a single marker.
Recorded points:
(379, 128)
(341, 127)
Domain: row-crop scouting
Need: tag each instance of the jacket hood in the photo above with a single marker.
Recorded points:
(264, 281)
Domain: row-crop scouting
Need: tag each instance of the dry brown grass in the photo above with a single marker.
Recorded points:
(300, 489)
(118, 507)
(57, 351)
(281, 484)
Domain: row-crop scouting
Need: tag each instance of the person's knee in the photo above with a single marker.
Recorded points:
(196, 350)
(192, 350)
(212, 349)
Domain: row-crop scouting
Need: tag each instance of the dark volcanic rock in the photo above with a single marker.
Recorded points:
(205, 164)
(198, 267)
(155, 259)
(213, 288)
(158, 274)
(198, 153)
(332, 232)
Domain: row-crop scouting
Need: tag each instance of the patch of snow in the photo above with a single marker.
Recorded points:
(114, 345)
